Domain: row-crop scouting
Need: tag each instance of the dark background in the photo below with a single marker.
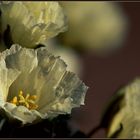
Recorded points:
(104, 75)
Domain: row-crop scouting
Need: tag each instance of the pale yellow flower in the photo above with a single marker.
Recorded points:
(98, 27)
(30, 23)
(35, 85)
(124, 121)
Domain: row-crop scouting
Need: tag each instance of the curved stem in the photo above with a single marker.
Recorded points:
(2, 123)
(93, 131)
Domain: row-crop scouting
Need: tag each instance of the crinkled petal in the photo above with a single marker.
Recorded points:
(24, 61)
(7, 76)
(20, 58)
(53, 69)
(63, 90)
(19, 112)
(69, 93)
(22, 114)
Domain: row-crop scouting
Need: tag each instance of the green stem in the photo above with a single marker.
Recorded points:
(2, 122)
(95, 129)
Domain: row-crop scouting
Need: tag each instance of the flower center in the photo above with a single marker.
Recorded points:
(27, 101)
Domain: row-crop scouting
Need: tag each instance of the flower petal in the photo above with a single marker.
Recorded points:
(52, 69)
(19, 112)
(22, 114)
(22, 60)
(63, 90)
(7, 76)
(69, 93)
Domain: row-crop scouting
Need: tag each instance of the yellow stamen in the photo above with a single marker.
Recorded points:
(28, 101)
(27, 104)
(27, 96)
(14, 101)
(33, 97)
(21, 92)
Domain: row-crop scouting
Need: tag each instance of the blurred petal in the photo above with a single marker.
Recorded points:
(98, 27)
(125, 121)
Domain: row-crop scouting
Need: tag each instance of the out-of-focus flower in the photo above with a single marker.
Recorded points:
(97, 26)
(125, 111)
(35, 85)
(72, 60)
(30, 23)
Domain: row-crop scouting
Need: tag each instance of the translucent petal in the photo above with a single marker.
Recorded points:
(7, 76)
(69, 93)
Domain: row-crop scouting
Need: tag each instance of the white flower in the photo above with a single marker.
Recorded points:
(96, 26)
(35, 85)
(30, 23)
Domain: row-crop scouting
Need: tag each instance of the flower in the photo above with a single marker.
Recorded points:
(98, 27)
(124, 112)
(30, 23)
(35, 85)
